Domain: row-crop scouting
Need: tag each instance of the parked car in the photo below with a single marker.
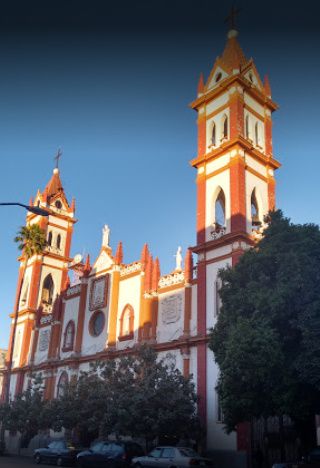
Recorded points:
(311, 460)
(109, 454)
(58, 452)
(171, 457)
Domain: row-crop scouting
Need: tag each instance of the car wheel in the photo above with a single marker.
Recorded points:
(137, 465)
(37, 459)
(59, 461)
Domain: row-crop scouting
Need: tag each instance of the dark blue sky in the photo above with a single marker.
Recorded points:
(110, 85)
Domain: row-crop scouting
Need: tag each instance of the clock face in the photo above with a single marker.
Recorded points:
(98, 293)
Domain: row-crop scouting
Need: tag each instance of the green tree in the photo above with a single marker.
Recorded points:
(266, 340)
(26, 413)
(31, 240)
(134, 395)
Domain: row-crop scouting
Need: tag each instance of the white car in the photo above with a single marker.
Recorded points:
(171, 457)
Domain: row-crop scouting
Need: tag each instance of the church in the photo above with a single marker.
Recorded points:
(111, 306)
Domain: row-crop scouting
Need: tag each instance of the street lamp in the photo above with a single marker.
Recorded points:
(33, 209)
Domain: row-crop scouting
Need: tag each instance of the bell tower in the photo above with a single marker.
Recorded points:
(41, 277)
(235, 188)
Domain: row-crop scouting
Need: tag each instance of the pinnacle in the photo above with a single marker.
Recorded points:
(233, 56)
(54, 185)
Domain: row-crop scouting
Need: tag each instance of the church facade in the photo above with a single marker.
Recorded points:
(113, 306)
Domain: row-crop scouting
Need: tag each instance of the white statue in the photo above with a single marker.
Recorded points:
(105, 235)
(179, 259)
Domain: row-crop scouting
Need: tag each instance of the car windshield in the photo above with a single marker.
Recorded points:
(52, 445)
(97, 447)
(188, 452)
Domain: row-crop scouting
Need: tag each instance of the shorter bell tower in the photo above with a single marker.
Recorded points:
(41, 277)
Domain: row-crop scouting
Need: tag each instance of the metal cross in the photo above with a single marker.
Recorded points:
(57, 157)
(231, 18)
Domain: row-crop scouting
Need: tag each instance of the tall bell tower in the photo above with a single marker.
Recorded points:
(41, 277)
(235, 189)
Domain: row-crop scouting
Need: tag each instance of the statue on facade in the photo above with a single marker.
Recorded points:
(179, 259)
(105, 236)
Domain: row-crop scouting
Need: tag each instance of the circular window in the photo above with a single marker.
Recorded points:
(96, 324)
(58, 204)
(218, 77)
(251, 77)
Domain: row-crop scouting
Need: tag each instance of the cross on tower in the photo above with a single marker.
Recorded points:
(57, 157)
(231, 18)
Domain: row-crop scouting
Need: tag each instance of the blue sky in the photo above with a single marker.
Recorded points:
(114, 96)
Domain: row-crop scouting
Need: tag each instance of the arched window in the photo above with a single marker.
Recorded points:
(24, 295)
(224, 127)
(220, 209)
(50, 238)
(62, 384)
(69, 336)
(58, 241)
(254, 210)
(47, 290)
(213, 135)
(247, 127)
(257, 134)
(127, 323)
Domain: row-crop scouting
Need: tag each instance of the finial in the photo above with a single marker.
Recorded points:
(200, 84)
(188, 266)
(56, 158)
(119, 254)
(148, 276)
(87, 266)
(155, 274)
(73, 204)
(178, 256)
(144, 255)
(66, 283)
(267, 86)
(231, 19)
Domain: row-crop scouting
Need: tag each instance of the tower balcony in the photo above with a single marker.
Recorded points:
(53, 249)
(217, 231)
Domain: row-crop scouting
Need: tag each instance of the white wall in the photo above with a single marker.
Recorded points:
(217, 439)
(129, 293)
(211, 277)
(170, 315)
(44, 337)
(70, 313)
(94, 344)
(194, 303)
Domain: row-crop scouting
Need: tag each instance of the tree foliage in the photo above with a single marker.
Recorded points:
(26, 413)
(31, 240)
(266, 340)
(134, 395)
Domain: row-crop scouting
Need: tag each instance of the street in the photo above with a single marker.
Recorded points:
(17, 462)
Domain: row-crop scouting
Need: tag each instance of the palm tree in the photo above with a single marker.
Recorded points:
(31, 240)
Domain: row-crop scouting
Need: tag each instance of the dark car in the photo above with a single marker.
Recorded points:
(172, 457)
(58, 452)
(109, 454)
